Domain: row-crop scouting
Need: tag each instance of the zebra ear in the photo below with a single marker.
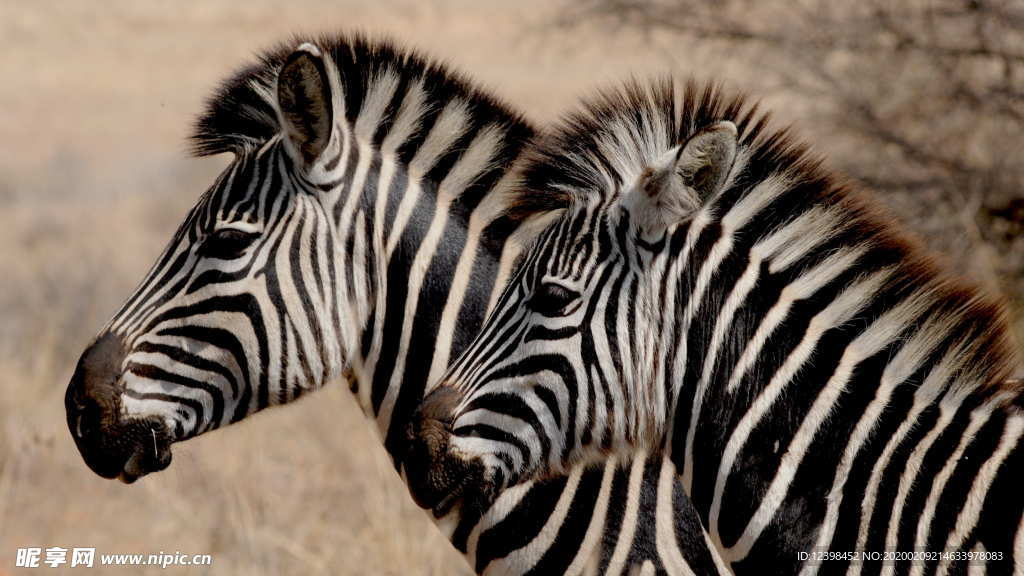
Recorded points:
(305, 101)
(707, 157)
(684, 178)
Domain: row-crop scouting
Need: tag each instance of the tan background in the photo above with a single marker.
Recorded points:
(96, 99)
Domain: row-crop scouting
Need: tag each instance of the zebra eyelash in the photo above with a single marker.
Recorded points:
(227, 243)
(552, 300)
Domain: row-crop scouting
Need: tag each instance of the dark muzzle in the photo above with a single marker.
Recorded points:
(438, 479)
(111, 445)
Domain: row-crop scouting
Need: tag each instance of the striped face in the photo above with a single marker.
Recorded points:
(577, 310)
(238, 313)
(560, 372)
(227, 322)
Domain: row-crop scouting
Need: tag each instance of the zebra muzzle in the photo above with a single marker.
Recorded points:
(438, 478)
(111, 445)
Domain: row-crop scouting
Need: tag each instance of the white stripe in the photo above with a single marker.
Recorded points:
(450, 125)
(877, 336)
(924, 395)
(837, 312)
(522, 560)
(481, 217)
(664, 524)
(589, 550)
(379, 92)
(803, 287)
(474, 160)
(977, 419)
(907, 361)
(628, 529)
(406, 124)
(968, 517)
(947, 410)
(1018, 550)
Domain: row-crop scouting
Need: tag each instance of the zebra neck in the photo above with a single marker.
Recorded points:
(801, 348)
(422, 252)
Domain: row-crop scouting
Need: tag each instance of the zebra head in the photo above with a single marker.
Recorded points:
(561, 371)
(237, 313)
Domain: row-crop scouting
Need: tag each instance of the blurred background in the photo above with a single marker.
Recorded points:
(921, 101)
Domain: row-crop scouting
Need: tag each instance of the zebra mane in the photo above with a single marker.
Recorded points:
(613, 137)
(241, 115)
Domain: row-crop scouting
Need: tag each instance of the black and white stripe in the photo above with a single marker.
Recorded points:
(711, 293)
(617, 516)
(360, 232)
(285, 275)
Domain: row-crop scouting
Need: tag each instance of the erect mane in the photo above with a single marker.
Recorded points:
(240, 115)
(614, 136)
(617, 133)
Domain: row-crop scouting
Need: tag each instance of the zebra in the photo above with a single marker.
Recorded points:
(364, 210)
(712, 293)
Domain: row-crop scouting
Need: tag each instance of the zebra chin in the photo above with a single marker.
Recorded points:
(126, 451)
(438, 478)
(112, 445)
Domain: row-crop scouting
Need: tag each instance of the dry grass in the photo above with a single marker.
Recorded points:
(93, 181)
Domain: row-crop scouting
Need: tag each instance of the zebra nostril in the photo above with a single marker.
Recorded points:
(83, 412)
(87, 418)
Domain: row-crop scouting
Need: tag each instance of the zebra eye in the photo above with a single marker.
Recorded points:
(227, 243)
(551, 299)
